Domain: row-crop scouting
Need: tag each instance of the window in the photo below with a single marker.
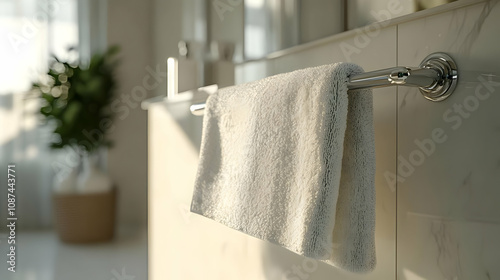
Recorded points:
(33, 30)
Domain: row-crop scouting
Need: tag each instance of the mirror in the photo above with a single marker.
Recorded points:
(273, 25)
(364, 12)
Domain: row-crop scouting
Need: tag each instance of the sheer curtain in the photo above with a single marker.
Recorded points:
(31, 30)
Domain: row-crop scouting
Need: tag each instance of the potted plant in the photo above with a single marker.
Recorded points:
(75, 100)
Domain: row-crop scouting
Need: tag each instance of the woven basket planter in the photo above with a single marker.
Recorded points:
(85, 218)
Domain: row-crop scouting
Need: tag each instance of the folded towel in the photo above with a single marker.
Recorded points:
(291, 159)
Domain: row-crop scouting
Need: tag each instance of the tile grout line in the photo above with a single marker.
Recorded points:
(396, 159)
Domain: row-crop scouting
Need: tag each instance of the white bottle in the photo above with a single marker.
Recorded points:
(92, 179)
(68, 184)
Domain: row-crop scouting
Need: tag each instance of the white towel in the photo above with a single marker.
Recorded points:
(291, 159)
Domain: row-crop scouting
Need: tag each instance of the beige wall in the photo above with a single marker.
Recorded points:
(129, 25)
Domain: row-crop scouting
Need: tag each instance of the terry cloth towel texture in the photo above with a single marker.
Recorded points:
(291, 159)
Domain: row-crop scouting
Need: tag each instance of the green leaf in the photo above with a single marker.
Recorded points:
(71, 113)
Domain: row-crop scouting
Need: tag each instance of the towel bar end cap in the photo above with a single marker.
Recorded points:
(448, 76)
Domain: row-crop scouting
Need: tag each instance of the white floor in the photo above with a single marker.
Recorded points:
(41, 256)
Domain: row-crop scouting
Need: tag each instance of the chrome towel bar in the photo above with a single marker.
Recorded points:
(436, 77)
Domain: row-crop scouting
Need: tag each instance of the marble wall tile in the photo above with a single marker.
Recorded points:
(449, 153)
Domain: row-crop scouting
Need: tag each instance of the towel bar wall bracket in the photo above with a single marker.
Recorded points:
(448, 76)
(436, 77)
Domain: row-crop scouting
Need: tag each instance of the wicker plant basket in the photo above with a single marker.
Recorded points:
(85, 218)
